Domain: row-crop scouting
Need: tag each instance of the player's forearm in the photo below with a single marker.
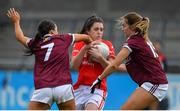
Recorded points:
(19, 33)
(77, 60)
(103, 62)
(82, 37)
(108, 70)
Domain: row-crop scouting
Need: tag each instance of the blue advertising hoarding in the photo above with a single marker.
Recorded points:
(16, 89)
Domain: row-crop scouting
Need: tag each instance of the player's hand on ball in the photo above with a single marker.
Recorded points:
(95, 52)
(97, 82)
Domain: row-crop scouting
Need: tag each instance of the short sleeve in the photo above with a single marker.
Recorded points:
(69, 38)
(72, 35)
(111, 50)
(125, 45)
(29, 43)
(76, 48)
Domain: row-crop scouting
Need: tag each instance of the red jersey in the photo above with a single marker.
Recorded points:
(88, 72)
(163, 61)
(143, 64)
(52, 61)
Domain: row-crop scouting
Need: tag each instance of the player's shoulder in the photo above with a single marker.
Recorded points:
(135, 39)
(61, 35)
(79, 44)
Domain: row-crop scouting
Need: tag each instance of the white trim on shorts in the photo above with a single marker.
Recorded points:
(57, 94)
(83, 96)
(158, 90)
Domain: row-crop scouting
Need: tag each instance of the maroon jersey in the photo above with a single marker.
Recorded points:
(143, 64)
(52, 61)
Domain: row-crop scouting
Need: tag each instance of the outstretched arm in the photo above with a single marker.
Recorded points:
(82, 37)
(123, 54)
(15, 18)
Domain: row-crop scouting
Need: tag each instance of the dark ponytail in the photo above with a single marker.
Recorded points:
(43, 28)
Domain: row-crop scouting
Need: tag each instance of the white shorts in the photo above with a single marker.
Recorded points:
(57, 94)
(159, 90)
(83, 96)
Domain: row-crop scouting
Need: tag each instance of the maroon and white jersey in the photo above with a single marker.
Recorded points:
(143, 64)
(52, 61)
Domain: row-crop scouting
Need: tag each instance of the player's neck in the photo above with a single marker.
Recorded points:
(135, 33)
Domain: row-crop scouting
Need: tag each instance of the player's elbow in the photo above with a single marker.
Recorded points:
(19, 36)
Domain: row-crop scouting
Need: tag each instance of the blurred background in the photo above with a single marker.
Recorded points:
(16, 78)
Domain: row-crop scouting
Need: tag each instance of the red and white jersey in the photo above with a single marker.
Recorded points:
(88, 72)
(52, 61)
(143, 63)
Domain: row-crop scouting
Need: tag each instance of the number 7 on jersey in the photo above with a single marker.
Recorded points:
(49, 49)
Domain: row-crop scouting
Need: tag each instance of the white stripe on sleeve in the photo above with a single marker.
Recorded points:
(73, 38)
(126, 46)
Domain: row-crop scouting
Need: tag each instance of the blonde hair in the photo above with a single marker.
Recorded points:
(138, 23)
